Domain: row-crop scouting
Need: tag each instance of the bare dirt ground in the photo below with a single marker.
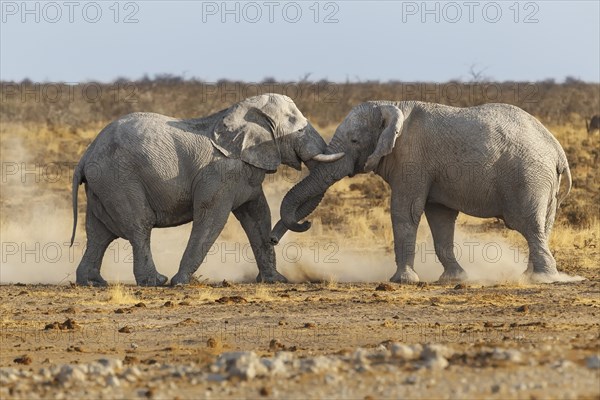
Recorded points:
(499, 341)
(493, 337)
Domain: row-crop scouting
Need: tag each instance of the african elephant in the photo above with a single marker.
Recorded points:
(593, 125)
(493, 160)
(147, 171)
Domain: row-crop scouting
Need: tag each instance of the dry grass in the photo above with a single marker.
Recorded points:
(262, 292)
(120, 294)
(207, 294)
(332, 282)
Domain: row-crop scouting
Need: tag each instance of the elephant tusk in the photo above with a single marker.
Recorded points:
(327, 158)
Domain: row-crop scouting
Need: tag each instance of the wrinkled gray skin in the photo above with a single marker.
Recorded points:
(147, 171)
(494, 160)
(593, 125)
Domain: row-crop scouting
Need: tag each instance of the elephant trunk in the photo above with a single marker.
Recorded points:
(306, 195)
(302, 212)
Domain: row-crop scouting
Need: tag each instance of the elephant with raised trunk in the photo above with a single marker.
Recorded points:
(493, 160)
(147, 171)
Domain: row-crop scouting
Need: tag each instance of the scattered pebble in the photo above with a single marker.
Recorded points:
(24, 359)
(213, 343)
(593, 362)
(405, 352)
(276, 345)
(231, 299)
(243, 364)
(130, 360)
(510, 355)
(265, 391)
(409, 361)
(69, 324)
(385, 287)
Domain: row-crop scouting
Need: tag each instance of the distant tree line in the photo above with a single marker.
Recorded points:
(83, 105)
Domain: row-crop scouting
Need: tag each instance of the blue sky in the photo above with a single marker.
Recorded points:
(354, 40)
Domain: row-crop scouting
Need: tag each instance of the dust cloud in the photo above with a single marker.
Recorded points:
(37, 251)
(487, 260)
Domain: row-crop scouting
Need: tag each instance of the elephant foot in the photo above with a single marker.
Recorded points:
(156, 280)
(273, 277)
(545, 274)
(180, 279)
(406, 276)
(453, 275)
(97, 282)
(541, 277)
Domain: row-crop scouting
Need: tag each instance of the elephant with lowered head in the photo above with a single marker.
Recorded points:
(147, 171)
(493, 160)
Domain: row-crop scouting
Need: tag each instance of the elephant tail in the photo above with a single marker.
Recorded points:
(78, 177)
(564, 181)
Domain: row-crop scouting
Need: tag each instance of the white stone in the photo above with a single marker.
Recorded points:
(246, 365)
(113, 363)
(360, 356)
(320, 364)
(70, 374)
(113, 381)
(436, 362)
(405, 352)
(510, 355)
(99, 369)
(132, 374)
(593, 362)
(434, 350)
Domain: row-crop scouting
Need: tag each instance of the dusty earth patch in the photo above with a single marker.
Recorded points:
(302, 340)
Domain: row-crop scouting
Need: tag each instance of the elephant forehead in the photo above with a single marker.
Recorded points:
(355, 121)
(283, 104)
(255, 101)
(269, 100)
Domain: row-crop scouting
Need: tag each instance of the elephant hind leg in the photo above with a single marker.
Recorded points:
(98, 239)
(536, 230)
(144, 269)
(442, 221)
(541, 264)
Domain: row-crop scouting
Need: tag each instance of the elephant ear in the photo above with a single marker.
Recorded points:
(248, 133)
(393, 119)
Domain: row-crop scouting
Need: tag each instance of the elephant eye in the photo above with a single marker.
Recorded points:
(354, 141)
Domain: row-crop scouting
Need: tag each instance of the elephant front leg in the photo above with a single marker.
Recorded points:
(405, 221)
(208, 224)
(441, 222)
(255, 218)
